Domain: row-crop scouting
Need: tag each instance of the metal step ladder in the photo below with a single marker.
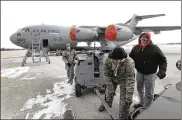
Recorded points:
(36, 48)
(36, 51)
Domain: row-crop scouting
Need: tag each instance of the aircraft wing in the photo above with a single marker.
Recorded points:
(99, 29)
(156, 29)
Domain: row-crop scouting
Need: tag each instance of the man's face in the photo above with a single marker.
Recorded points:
(116, 61)
(144, 40)
(68, 47)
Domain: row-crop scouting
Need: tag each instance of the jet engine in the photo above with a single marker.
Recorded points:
(82, 34)
(118, 33)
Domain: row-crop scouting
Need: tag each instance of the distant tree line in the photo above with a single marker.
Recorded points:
(167, 44)
(173, 43)
(10, 49)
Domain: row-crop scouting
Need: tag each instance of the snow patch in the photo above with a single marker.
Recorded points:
(14, 72)
(136, 99)
(30, 78)
(52, 103)
(27, 116)
(48, 91)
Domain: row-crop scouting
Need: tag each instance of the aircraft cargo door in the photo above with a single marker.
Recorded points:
(45, 43)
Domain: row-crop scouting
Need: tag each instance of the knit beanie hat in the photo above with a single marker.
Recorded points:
(117, 53)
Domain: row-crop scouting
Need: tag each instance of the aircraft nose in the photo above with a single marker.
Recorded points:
(12, 38)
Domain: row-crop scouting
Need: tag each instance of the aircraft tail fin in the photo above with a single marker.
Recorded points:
(135, 19)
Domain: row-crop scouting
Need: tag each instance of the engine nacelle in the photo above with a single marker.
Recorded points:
(118, 33)
(82, 34)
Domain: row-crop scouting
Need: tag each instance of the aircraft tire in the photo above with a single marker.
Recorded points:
(77, 90)
(22, 64)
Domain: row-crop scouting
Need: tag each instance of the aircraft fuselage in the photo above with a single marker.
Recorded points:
(55, 37)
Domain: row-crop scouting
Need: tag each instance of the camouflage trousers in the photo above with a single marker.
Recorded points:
(124, 108)
(70, 72)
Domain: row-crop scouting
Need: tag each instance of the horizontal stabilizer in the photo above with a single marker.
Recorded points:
(156, 29)
(134, 20)
(149, 16)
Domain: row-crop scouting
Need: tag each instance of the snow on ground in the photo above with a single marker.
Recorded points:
(28, 77)
(14, 72)
(52, 103)
(135, 99)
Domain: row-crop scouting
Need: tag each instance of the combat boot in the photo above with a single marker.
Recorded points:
(101, 108)
(138, 105)
(71, 82)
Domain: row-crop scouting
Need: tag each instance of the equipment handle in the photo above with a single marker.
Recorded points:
(112, 115)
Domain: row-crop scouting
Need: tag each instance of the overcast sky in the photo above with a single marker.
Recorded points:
(18, 14)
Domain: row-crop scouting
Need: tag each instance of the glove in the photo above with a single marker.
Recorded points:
(112, 94)
(161, 74)
(68, 64)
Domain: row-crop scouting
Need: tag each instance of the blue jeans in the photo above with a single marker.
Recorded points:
(146, 81)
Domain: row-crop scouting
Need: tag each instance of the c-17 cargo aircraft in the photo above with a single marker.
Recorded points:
(55, 37)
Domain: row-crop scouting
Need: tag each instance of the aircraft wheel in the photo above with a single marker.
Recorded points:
(49, 62)
(77, 90)
(22, 64)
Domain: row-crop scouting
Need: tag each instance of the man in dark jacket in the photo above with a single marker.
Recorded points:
(147, 58)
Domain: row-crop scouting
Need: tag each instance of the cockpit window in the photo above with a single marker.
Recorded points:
(24, 30)
(27, 30)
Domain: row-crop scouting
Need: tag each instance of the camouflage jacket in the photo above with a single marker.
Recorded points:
(69, 56)
(125, 77)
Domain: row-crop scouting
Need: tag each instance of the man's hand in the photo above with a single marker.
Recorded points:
(161, 74)
(128, 102)
(112, 93)
(68, 64)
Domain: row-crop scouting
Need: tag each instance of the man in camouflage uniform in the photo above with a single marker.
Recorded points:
(69, 57)
(118, 70)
